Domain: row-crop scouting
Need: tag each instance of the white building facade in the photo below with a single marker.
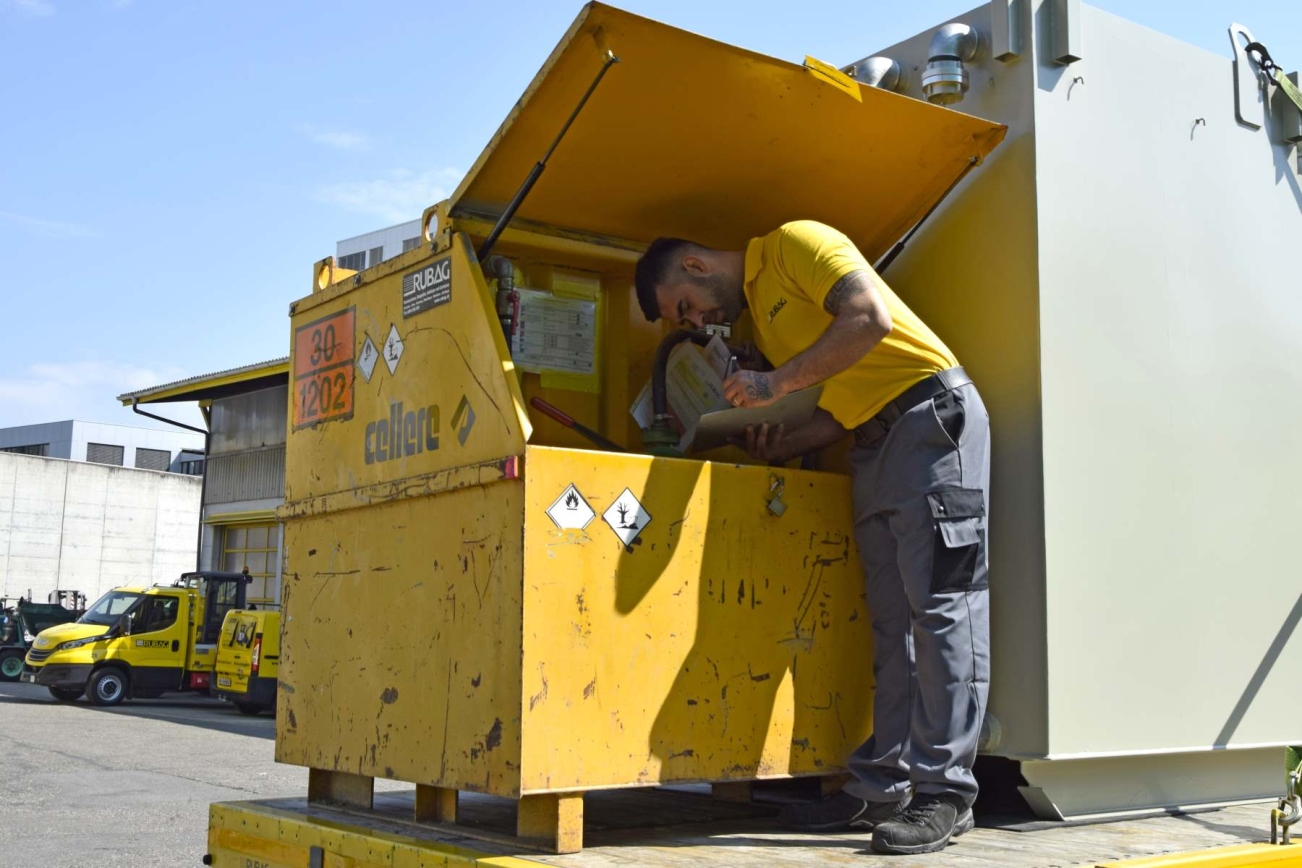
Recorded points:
(368, 250)
(103, 443)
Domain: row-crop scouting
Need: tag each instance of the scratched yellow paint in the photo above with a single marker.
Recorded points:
(447, 402)
(249, 833)
(384, 531)
(726, 643)
(438, 628)
(401, 650)
(1237, 856)
(428, 596)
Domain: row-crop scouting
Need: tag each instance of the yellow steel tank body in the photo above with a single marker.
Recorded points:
(478, 600)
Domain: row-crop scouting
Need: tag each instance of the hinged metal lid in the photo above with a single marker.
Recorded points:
(694, 138)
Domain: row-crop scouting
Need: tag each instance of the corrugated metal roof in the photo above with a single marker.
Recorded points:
(180, 388)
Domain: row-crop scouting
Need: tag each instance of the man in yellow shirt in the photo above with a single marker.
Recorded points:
(921, 472)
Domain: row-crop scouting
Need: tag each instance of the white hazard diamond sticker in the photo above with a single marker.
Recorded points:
(571, 511)
(367, 358)
(626, 517)
(393, 347)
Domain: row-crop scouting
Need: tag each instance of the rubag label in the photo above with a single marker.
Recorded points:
(429, 287)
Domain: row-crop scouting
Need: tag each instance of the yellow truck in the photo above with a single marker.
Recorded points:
(138, 642)
(494, 632)
(248, 660)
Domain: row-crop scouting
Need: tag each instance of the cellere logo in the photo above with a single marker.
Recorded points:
(402, 434)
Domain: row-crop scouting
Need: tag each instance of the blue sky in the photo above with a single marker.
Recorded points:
(170, 169)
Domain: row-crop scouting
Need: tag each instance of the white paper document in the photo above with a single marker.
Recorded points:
(554, 333)
(702, 416)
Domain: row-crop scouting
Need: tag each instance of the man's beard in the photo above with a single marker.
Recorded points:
(723, 296)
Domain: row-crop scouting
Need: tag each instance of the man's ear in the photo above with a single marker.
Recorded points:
(695, 265)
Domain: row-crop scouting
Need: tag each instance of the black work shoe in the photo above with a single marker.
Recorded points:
(840, 812)
(965, 823)
(927, 825)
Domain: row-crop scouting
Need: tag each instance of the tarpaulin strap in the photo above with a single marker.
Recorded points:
(1276, 72)
(1288, 87)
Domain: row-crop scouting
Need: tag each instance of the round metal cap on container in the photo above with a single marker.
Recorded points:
(944, 81)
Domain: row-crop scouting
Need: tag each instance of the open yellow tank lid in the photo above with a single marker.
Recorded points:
(694, 138)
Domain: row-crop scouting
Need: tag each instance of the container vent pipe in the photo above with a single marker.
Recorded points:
(945, 79)
(876, 71)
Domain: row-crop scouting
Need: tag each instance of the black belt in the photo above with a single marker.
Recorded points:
(874, 430)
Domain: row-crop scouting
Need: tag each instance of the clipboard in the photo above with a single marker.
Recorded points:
(714, 429)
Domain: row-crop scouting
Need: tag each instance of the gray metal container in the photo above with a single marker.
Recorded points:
(1120, 280)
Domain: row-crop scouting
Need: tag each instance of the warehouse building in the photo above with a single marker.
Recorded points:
(244, 479)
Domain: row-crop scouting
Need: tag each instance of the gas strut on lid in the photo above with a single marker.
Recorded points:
(518, 198)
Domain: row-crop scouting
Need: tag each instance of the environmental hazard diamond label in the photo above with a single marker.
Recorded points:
(571, 511)
(627, 517)
(393, 347)
(367, 358)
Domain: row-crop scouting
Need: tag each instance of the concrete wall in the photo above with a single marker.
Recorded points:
(90, 527)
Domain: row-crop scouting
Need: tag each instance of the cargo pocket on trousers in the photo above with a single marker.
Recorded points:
(958, 563)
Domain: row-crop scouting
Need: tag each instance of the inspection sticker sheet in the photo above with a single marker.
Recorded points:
(554, 333)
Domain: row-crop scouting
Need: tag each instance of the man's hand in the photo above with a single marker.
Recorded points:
(776, 445)
(752, 389)
(764, 444)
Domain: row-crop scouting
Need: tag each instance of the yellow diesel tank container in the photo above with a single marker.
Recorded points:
(476, 599)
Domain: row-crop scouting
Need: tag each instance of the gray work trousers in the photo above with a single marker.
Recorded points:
(920, 503)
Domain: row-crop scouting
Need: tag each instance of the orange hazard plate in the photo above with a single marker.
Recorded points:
(323, 369)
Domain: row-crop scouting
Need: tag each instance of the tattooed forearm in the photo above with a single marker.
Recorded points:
(860, 319)
(843, 290)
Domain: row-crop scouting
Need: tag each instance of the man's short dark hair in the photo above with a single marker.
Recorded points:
(662, 258)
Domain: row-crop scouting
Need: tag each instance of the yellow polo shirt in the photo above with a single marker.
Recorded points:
(788, 274)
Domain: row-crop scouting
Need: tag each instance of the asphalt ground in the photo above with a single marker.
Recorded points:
(130, 786)
(86, 786)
